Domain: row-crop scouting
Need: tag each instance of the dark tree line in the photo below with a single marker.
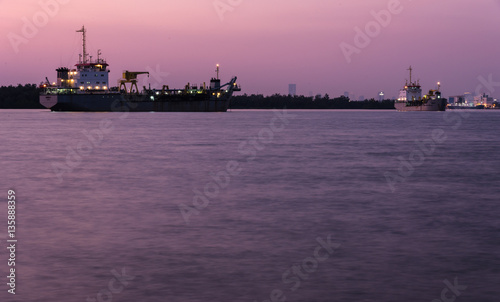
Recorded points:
(27, 97)
(301, 102)
(20, 97)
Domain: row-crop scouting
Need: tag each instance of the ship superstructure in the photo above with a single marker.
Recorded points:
(86, 88)
(88, 75)
(410, 98)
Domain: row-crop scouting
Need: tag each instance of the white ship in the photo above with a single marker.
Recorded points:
(410, 98)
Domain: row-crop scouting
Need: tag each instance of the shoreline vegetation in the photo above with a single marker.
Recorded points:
(302, 102)
(20, 97)
(27, 97)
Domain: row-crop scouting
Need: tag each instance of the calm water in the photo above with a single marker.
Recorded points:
(87, 206)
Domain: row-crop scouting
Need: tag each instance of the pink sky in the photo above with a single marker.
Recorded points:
(266, 43)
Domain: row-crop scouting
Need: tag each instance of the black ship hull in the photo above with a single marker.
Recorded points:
(106, 102)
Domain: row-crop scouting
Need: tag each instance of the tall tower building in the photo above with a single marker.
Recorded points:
(292, 89)
(381, 96)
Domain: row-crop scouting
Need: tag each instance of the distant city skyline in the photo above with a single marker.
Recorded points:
(324, 47)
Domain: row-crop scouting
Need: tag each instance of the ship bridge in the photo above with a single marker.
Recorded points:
(88, 75)
(412, 90)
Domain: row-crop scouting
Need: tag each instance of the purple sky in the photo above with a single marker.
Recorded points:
(266, 43)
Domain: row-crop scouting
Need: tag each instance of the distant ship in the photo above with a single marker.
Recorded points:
(410, 98)
(86, 88)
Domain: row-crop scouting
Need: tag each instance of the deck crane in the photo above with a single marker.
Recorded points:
(130, 77)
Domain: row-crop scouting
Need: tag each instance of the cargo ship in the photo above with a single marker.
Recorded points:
(86, 88)
(410, 98)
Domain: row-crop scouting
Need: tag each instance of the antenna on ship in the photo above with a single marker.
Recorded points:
(84, 44)
(217, 70)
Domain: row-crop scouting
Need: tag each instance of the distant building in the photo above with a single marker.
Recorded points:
(381, 96)
(484, 100)
(346, 94)
(361, 98)
(460, 100)
(456, 100)
(292, 89)
(469, 98)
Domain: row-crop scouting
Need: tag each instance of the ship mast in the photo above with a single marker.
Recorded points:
(217, 70)
(84, 44)
(410, 69)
